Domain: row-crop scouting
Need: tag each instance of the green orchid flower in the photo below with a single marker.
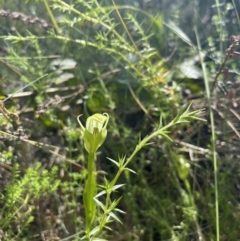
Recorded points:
(93, 136)
(95, 132)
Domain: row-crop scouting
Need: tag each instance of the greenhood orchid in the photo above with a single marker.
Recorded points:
(95, 132)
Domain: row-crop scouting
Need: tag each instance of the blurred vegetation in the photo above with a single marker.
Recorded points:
(139, 61)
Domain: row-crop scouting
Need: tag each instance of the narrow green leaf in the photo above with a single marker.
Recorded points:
(162, 133)
(117, 186)
(94, 231)
(179, 32)
(98, 239)
(116, 163)
(101, 193)
(119, 210)
(114, 203)
(130, 170)
(115, 217)
(100, 204)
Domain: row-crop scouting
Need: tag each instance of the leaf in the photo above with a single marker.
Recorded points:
(99, 239)
(115, 217)
(118, 186)
(101, 193)
(179, 32)
(63, 64)
(162, 133)
(120, 211)
(63, 78)
(116, 163)
(190, 71)
(130, 170)
(95, 230)
(100, 204)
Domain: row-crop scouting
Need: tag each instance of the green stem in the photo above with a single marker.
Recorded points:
(140, 146)
(90, 191)
(161, 131)
(212, 121)
(51, 16)
(220, 25)
(194, 217)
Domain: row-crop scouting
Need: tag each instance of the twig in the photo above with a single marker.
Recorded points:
(229, 53)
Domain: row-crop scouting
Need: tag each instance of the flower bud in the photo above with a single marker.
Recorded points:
(95, 132)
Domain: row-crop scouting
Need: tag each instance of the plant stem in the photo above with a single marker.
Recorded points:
(144, 142)
(213, 137)
(51, 16)
(220, 25)
(90, 191)
(161, 131)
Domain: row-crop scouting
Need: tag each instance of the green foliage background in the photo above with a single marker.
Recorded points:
(137, 61)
